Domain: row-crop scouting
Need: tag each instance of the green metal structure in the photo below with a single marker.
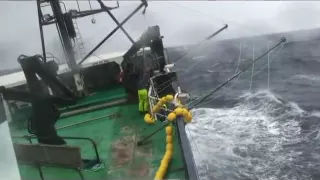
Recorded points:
(116, 131)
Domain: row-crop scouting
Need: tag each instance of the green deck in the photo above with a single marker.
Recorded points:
(116, 138)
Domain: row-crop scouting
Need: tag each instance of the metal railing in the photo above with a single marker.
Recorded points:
(187, 155)
(152, 97)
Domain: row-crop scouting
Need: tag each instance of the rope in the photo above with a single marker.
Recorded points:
(252, 67)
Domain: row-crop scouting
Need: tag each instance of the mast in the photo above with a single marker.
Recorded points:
(66, 30)
(62, 29)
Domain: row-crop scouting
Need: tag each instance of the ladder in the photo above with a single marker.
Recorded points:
(80, 44)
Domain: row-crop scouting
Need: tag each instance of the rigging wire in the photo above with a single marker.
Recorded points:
(202, 41)
(211, 16)
(215, 97)
(168, 83)
(90, 4)
(261, 69)
(196, 63)
(183, 73)
(210, 21)
(252, 71)
(268, 67)
(270, 60)
(78, 5)
(202, 127)
(239, 59)
(188, 10)
(199, 44)
(236, 75)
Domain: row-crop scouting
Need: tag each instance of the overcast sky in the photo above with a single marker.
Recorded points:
(180, 23)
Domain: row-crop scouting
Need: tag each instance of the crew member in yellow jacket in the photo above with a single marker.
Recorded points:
(143, 100)
(143, 84)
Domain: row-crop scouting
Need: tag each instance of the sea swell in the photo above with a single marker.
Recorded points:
(263, 125)
(262, 137)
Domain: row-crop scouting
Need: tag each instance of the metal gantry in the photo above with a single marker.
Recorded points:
(63, 26)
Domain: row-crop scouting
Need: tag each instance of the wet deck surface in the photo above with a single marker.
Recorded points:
(116, 138)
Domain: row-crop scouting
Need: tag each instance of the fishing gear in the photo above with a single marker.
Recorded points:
(201, 99)
(206, 39)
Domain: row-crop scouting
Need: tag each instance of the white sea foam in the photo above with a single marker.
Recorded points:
(249, 141)
(306, 77)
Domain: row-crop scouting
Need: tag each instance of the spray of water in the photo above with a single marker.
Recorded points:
(260, 138)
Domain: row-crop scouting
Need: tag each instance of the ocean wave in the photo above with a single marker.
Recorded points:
(263, 137)
(306, 77)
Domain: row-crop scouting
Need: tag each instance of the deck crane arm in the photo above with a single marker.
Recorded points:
(32, 67)
(150, 38)
(44, 110)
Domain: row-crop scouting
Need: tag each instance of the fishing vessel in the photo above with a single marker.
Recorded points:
(81, 120)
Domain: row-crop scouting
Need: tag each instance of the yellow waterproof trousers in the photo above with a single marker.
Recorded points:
(143, 100)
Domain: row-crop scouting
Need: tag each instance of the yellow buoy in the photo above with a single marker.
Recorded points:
(180, 104)
(169, 98)
(188, 118)
(169, 147)
(164, 165)
(156, 109)
(163, 100)
(149, 120)
(147, 116)
(162, 171)
(171, 117)
(160, 103)
(159, 175)
(169, 139)
(164, 161)
(168, 153)
(185, 112)
(169, 130)
(178, 111)
(168, 156)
